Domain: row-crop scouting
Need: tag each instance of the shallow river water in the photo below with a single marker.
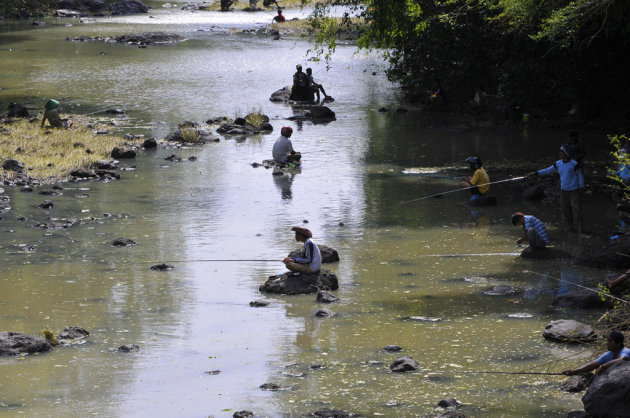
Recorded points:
(400, 257)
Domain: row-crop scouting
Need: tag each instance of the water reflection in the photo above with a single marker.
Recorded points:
(284, 182)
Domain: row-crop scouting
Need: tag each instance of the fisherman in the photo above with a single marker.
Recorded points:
(571, 182)
(283, 151)
(312, 260)
(279, 18)
(268, 3)
(535, 231)
(478, 183)
(225, 5)
(616, 353)
(301, 89)
(51, 114)
(315, 88)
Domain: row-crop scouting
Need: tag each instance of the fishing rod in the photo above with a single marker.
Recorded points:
(208, 260)
(575, 284)
(459, 190)
(468, 255)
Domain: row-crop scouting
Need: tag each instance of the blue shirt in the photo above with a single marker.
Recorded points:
(608, 356)
(570, 177)
(532, 221)
(312, 256)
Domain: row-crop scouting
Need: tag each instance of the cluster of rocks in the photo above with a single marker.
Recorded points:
(191, 132)
(145, 38)
(303, 110)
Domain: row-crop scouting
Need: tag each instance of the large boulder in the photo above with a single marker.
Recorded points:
(329, 255)
(569, 330)
(580, 299)
(612, 256)
(608, 394)
(14, 343)
(302, 284)
(128, 7)
(17, 110)
(546, 254)
(283, 95)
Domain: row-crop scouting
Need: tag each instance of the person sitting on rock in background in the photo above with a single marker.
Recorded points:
(616, 353)
(225, 5)
(612, 283)
(535, 231)
(51, 114)
(301, 89)
(312, 260)
(283, 151)
(279, 18)
(315, 88)
(479, 180)
(571, 182)
(267, 3)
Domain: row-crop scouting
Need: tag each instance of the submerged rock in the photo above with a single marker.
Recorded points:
(132, 348)
(502, 290)
(162, 267)
(123, 242)
(576, 383)
(73, 333)
(14, 343)
(301, 284)
(404, 364)
(324, 313)
(331, 413)
(324, 296)
(612, 256)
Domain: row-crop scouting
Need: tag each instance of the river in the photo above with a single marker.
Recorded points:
(396, 251)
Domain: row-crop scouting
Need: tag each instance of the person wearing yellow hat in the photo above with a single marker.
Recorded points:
(51, 114)
(312, 260)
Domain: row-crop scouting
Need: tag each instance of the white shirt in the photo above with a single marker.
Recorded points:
(280, 149)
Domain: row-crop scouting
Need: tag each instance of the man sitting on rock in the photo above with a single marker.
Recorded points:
(535, 231)
(616, 353)
(283, 151)
(315, 87)
(312, 260)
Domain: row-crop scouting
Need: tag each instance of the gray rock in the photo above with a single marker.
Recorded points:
(258, 303)
(581, 299)
(128, 7)
(162, 267)
(73, 333)
(393, 348)
(243, 414)
(324, 313)
(324, 296)
(449, 403)
(569, 330)
(331, 413)
(608, 394)
(13, 165)
(123, 154)
(123, 242)
(404, 364)
(129, 348)
(14, 343)
(547, 254)
(576, 383)
(302, 284)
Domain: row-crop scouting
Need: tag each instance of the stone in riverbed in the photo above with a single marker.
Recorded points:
(123, 242)
(14, 343)
(581, 299)
(608, 393)
(329, 255)
(404, 364)
(324, 296)
(302, 284)
(73, 333)
(569, 330)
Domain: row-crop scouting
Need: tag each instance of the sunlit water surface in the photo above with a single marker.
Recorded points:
(401, 256)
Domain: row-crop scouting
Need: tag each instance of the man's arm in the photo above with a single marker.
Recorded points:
(584, 369)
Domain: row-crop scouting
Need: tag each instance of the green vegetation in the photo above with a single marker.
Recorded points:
(50, 154)
(554, 55)
(50, 336)
(25, 8)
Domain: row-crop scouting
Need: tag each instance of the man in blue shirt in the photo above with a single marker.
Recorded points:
(571, 182)
(616, 353)
(535, 231)
(312, 260)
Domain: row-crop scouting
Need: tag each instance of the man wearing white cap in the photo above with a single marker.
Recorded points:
(312, 260)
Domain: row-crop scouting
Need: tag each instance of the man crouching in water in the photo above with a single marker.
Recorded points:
(312, 260)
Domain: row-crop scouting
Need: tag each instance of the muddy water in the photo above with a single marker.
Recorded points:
(400, 257)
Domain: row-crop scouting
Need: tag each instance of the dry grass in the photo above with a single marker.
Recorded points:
(256, 117)
(50, 154)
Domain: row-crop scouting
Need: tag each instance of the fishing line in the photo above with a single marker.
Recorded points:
(468, 255)
(213, 260)
(575, 284)
(456, 190)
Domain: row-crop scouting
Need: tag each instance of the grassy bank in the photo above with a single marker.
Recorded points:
(49, 154)
(342, 29)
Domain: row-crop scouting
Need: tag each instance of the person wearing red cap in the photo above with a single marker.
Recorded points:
(283, 151)
(312, 260)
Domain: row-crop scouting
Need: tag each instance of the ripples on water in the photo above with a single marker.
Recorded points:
(352, 189)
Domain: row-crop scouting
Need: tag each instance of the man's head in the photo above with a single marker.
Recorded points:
(475, 162)
(309, 71)
(301, 234)
(298, 68)
(518, 218)
(614, 340)
(565, 152)
(279, 12)
(286, 131)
